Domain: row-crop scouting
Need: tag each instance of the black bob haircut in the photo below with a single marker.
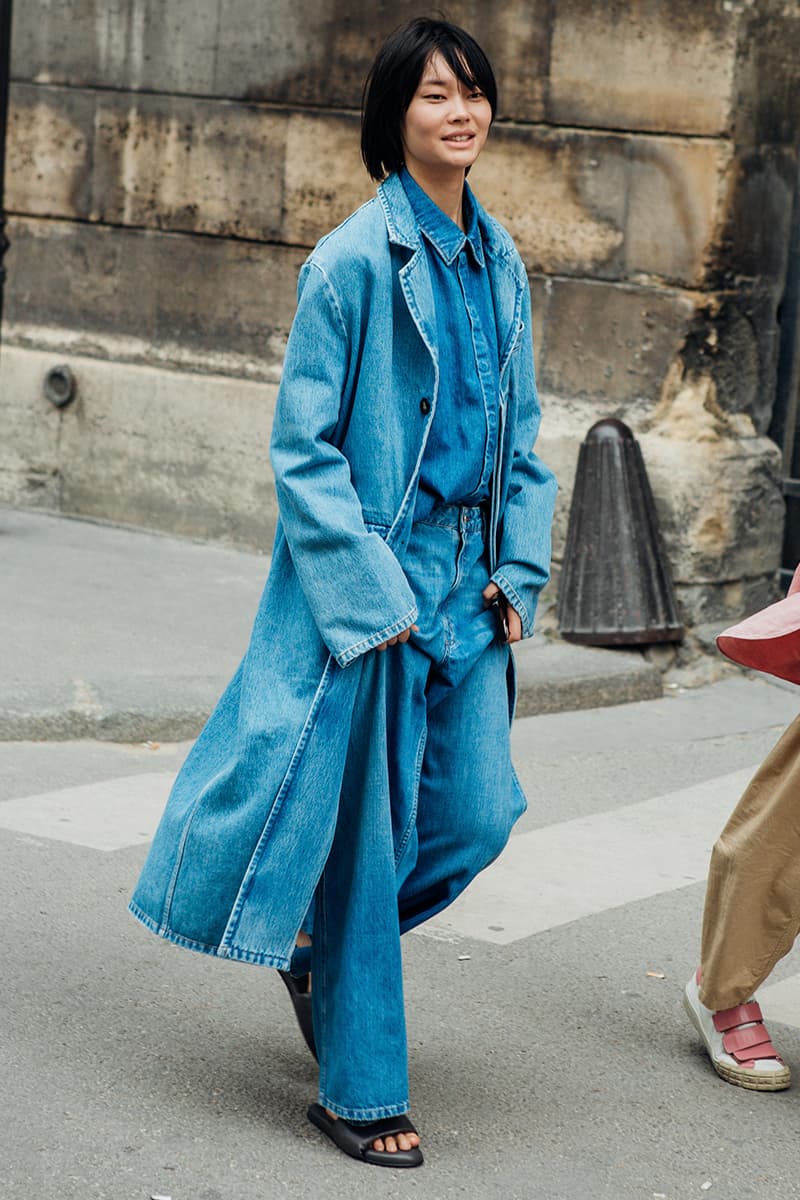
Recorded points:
(394, 78)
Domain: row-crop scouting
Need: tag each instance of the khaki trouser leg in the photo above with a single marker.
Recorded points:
(752, 909)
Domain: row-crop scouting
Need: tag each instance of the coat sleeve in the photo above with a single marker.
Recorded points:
(355, 587)
(526, 522)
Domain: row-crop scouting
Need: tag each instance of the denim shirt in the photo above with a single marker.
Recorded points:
(459, 454)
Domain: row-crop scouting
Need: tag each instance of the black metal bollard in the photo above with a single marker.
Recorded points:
(615, 586)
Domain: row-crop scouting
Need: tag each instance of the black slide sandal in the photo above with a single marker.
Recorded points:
(297, 987)
(356, 1139)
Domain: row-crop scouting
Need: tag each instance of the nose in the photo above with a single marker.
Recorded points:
(458, 108)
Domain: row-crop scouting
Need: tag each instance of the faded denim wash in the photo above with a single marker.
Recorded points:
(428, 800)
(460, 450)
(250, 820)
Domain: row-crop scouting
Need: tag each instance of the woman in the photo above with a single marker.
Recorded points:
(356, 774)
(752, 909)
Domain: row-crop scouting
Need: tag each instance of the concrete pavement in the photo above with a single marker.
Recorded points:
(124, 635)
(550, 1056)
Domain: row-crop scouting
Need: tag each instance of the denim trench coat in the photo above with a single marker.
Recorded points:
(249, 822)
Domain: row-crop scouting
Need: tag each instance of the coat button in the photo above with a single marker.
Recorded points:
(424, 406)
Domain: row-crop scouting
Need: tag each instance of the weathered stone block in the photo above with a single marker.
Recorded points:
(609, 206)
(758, 218)
(724, 603)
(562, 196)
(197, 165)
(610, 343)
(29, 456)
(126, 44)
(325, 177)
(168, 450)
(768, 74)
(576, 203)
(198, 295)
(49, 151)
(720, 503)
(675, 207)
(315, 53)
(644, 65)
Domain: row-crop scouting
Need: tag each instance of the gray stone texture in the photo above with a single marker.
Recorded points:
(147, 446)
(169, 165)
(163, 289)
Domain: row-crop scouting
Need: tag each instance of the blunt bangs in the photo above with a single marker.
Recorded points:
(395, 76)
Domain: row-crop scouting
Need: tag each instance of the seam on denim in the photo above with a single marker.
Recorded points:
(332, 294)
(449, 639)
(521, 791)
(178, 939)
(512, 595)
(367, 204)
(376, 1113)
(412, 819)
(375, 639)
(319, 940)
(166, 912)
(277, 804)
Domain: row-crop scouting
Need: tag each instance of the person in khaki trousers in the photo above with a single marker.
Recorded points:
(752, 905)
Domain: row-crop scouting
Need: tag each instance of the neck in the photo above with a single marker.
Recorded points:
(445, 188)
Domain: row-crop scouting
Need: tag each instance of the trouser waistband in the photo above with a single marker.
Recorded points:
(467, 518)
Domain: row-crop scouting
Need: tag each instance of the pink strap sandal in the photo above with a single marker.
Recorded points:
(737, 1041)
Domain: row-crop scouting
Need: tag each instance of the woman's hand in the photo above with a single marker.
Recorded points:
(512, 616)
(399, 637)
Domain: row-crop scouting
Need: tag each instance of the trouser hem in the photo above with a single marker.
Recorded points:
(376, 1113)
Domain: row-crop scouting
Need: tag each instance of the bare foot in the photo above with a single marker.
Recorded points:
(400, 1141)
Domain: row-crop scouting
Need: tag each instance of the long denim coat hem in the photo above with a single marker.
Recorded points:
(250, 819)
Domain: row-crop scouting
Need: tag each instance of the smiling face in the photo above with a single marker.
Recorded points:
(446, 123)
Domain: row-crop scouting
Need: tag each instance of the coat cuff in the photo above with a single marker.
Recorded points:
(352, 652)
(526, 612)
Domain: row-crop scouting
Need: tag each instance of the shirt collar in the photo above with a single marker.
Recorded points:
(444, 235)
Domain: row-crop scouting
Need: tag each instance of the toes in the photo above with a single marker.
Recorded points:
(403, 1141)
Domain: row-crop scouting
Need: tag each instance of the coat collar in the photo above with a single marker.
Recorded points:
(403, 228)
(440, 230)
(506, 271)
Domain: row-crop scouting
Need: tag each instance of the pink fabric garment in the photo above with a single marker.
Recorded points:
(769, 640)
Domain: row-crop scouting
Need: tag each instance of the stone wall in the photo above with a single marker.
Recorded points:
(170, 164)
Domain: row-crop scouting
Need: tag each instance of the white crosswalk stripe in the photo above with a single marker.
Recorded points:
(781, 1001)
(108, 815)
(577, 868)
(545, 878)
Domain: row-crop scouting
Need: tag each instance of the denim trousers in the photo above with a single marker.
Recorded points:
(428, 799)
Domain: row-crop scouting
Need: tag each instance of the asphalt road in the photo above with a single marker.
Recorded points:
(550, 1055)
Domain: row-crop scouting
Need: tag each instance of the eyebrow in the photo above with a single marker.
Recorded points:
(444, 83)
